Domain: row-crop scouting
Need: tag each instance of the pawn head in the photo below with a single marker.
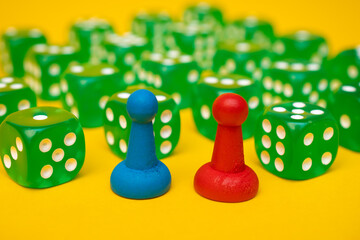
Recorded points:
(230, 109)
(142, 106)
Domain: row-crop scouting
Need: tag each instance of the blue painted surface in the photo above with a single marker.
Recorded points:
(141, 175)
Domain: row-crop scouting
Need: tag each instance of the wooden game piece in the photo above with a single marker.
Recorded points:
(141, 175)
(226, 178)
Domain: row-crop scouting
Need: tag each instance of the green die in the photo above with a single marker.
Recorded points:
(125, 52)
(154, 27)
(44, 66)
(203, 12)
(244, 58)
(251, 29)
(86, 88)
(301, 45)
(292, 80)
(344, 68)
(88, 36)
(345, 106)
(210, 86)
(295, 140)
(15, 95)
(173, 73)
(14, 45)
(198, 40)
(44, 147)
(118, 123)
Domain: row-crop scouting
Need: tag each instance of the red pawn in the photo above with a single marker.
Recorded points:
(226, 178)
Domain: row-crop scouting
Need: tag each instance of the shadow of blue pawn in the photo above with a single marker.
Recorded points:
(141, 175)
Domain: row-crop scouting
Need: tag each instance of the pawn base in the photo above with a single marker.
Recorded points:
(140, 184)
(226, 187)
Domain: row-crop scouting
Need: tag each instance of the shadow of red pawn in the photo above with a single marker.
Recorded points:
(226, 178)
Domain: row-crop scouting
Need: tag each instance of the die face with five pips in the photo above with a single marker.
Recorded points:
(141, 175)
(296, 140)
(44, 147)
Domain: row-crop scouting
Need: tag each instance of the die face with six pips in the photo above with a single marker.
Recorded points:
(296, 140)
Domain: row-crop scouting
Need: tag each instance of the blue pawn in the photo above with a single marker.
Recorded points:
(141, 175)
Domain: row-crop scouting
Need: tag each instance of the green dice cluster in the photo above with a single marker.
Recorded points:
(241, 57)
(301, 45)
(117, 123)
(125, 53)
(344, 68)
(15, 95)
(345, 106)
(44, 66)
(173, 73)
(88, 36)
(251, 28)
(44, 147)
(154, 27)
(14, 45)
(295, 80)
(212, 85)
(296, 140)
(86, 88)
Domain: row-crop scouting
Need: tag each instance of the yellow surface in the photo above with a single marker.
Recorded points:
(327, 207)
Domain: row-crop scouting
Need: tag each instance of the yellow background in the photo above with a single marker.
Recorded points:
(327, 207)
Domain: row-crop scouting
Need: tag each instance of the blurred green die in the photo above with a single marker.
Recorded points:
(125, 52)
(88, 36)
(44, 66)
(203, 12)
(86, 89)
(173, 72)
(154, 27)
(118, 123)
(301, 45)
(15, 95)
(345, 106)
(211, 86)
(295, 140)
(292, 80)
(344, 68)
(251, 29)
(44, 147)
(244, 58)
(14, 45)
(196, 39)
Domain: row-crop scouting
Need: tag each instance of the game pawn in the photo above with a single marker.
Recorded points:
(141, 175)
(226, 178)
